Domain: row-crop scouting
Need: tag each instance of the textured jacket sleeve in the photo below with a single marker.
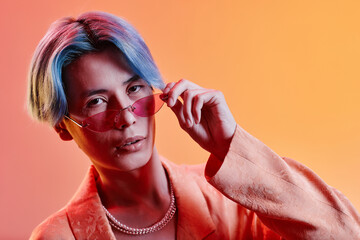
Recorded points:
(286, 196)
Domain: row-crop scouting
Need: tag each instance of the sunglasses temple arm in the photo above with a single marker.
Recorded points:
(73, 121)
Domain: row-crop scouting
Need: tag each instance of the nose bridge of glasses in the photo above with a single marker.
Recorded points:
(130, 108)
(124, 116)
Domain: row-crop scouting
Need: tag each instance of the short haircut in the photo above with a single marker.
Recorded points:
(66, 40)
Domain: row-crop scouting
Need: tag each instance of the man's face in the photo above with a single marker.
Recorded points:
(101, 81)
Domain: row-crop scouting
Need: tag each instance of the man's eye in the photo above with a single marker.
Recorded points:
(95, 102)
(134, 89)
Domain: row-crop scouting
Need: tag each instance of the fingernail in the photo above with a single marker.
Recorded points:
(164, 96)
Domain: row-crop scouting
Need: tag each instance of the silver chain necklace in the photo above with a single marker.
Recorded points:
(153, 228)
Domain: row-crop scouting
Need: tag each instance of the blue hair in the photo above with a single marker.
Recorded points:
(66, 40)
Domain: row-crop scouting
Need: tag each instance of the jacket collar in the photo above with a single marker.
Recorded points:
(87, 218)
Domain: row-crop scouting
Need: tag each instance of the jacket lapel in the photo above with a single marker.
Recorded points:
(86, 216)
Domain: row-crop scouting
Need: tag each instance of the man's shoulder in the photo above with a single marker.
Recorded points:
(55, 226)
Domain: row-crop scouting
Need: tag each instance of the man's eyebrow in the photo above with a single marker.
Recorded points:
(132, 79)
(93, 92)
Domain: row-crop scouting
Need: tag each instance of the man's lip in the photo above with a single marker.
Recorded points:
(130, 140)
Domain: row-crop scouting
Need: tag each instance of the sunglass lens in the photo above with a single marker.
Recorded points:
(101, 122)
(148, 106)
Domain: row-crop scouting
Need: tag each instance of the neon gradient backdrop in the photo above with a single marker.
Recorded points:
(289, 71)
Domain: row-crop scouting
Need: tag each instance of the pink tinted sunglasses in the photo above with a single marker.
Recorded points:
(104, 121)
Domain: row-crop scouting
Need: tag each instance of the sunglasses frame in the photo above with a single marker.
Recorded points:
(131, 107)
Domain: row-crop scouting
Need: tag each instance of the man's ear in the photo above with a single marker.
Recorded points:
(64, 134)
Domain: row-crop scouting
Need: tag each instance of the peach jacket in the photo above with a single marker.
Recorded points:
(253, 194)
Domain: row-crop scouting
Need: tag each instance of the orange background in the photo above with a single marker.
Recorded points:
(288, 69)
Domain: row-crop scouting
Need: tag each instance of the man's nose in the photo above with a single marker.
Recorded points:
(125, 118)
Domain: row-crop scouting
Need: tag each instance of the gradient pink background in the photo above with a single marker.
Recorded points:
(289, 71)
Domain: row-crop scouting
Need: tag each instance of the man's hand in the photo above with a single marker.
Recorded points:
(203, 114)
